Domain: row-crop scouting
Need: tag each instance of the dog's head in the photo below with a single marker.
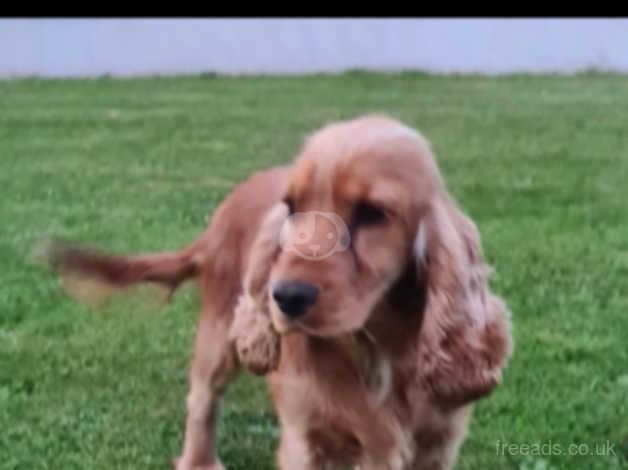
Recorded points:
(366, 214)
(353, 204)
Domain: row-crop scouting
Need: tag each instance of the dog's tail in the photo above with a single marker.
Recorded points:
(92, 276)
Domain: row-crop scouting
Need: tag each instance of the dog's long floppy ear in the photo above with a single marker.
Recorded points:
(256, 342)
(263, 251)
(465, 338)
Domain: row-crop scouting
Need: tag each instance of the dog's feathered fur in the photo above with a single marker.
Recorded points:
(404, 336)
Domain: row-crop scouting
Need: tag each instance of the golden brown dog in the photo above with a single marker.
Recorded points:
(374, 280)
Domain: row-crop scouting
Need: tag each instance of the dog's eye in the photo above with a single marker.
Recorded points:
(365, 213)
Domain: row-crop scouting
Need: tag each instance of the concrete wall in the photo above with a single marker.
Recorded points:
(119, 47)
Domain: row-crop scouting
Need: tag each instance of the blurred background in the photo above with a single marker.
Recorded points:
(123, 47)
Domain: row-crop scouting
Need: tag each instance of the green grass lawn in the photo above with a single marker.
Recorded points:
(540, 163)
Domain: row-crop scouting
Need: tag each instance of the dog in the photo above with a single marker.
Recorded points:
(363, 284)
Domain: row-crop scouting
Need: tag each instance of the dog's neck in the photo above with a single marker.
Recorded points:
(396, 320)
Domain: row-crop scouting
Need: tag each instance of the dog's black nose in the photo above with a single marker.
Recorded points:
(294, 298)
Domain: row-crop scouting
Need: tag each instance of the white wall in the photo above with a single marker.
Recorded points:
(118, 47)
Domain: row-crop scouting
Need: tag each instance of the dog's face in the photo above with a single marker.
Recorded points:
(355, 200)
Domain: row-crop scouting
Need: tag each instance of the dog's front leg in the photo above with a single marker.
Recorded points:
(213, 367)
